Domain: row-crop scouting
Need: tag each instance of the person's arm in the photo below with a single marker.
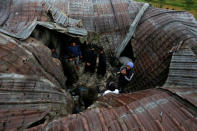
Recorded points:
(78, 50)
(129, 78)
(80, 54)
(69, 49)
(104, 58)
(121, 68)
(116, 91)
(106, 92)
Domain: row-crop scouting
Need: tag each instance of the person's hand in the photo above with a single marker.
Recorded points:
(70, 59)
(88, 64)
(123, 72)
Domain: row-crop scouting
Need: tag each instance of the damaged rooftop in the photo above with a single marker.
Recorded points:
(162, 44)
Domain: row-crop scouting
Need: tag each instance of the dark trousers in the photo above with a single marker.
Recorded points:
(90, 68)
(101, 70)
(122, 83)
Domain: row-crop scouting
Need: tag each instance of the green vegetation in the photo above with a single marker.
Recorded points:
(188, 5)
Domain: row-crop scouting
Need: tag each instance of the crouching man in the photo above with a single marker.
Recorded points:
(125, 76)
(111, 89)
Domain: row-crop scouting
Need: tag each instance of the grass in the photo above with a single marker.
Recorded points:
(187, 5)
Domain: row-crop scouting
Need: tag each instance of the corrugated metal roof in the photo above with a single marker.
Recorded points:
(29, 57)
(19, 119)
(182, 77)
(159, 33)
(30, 79)
(188, 93)
(183, 69)
(32, 92)
(156, 110)
(21, 17)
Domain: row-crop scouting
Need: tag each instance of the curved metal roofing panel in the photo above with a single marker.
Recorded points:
(157, 110)
(182, 76)
(19, 119)
(30, 79)
(23, 16)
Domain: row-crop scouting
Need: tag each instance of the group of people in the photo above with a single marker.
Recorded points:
(125, 75)
(89, 55)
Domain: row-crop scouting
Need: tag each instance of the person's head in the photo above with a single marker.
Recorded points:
(112, 86)
(73, 44)
(53, 50)
(91, 47)
(101, 50)
(130, 65)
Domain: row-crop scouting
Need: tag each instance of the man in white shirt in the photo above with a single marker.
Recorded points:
(111, 89)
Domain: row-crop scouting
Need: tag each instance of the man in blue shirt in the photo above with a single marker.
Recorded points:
(75, 52)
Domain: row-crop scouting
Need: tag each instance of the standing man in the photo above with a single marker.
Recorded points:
(75, 52)
(126, 74)
(90, 60)
(102, 63)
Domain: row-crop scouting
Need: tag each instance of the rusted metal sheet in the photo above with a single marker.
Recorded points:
(40, 79)
(183, 69)
(31, 92)
(157, 34)
(19, 119)
(155, 110)
(23, 16)
(190, 94)
(182, 77)
(30, 79)
(29, 58)
(131, 31)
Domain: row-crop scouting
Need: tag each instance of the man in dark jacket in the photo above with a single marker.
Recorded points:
(102, 63)
(90, 60)
(126, 74)
(75, 51)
